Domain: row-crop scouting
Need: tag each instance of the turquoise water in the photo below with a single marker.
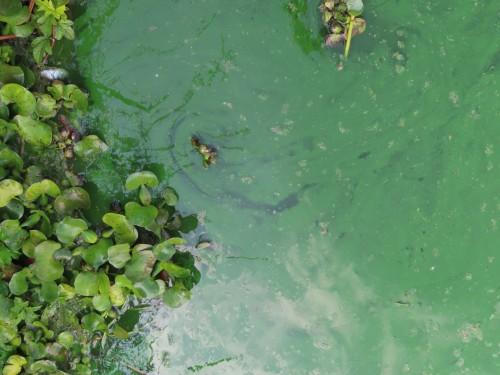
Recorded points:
(353, 213)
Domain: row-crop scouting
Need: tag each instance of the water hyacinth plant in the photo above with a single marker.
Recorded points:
(342, 20)
(68, 284)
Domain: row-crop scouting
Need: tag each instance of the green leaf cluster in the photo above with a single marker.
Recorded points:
(66, 284)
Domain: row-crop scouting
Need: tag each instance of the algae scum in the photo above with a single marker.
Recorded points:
(383, 256)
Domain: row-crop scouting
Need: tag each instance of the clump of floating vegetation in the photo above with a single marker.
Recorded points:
(67, 284)
(207, 152)
(342, 20)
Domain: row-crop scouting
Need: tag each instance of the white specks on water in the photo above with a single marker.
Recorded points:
(468, 276)
(454, 98)
(228, 105)
(470, 332)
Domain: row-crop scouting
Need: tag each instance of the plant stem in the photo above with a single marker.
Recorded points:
(349, 37)
(31, 6)
(7, 37)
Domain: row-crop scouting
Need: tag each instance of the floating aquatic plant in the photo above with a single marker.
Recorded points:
(67, 284)
(342, 19)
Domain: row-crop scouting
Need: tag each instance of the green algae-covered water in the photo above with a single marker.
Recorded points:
(354, 213)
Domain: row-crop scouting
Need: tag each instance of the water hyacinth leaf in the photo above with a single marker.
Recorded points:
(174, 270)
(11, 74)
(116, 296)
(46, 106)
(145, 195)
(49, 291)
(89, 236)
(12, 234)
(140, 266)
(129, 319)
(44, 187)
(18, 284)
(93, 322)
(101, 303)
(14, 210)
(355, 7)
(32, 131)
(69, 229)
(87, 284)
(188, 223)
(9, 189)
(124, 282)
(72, 199)
(136, 180)
(13, 93)
(176, 296)
(124, 231)
(66, 339)
(14, 365)
(46, 268)
(170, 196)
(96, 255)
(119, 255)
(150, 288)
(89, 147)
(164, 251)
(140, 215)
(104, 283)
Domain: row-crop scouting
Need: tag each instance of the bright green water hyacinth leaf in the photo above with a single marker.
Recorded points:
(140, 215)
(44, 187)
(46, 106)
(96, 255)
(138, 179)
(116, 296)
(87, 284)
(32, 131)
(49, 291)
(12, 234)
(170, 196)
(69, 229)
(66, 339)
(89, 147)
(119, 255)
(9, 189)
(164, 251)
(176, 296)
(46, 268)
(14, 366)
(140, 266)
(101, 303)
(150, 288)
(72, 199)
(18, 284)
(13, 93)
(93, 322)
(174, 270)
(10, 159)
(124, 231)
(11, 74)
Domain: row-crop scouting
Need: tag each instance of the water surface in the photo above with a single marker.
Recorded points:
(355, 212)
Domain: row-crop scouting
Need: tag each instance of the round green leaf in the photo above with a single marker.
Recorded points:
(355, 7)
(170, 196)
(176, 296)
(188, 223)
(116, 296)
(11, 74)
(93, 322)
(140, 215)
(96, 255)
(9, 189)
(49, 291)
(124, 231)
(46, 268)
(12, 234)
(69, 229)
(89, 147)
(66, 339)
(13, 12)
(150, 288)
(18, 284)
(135, 180)
(46, 106)
(9, 158)
(101, 303)
(17, 94)
(119, 255)
(174, 270)
(164, 251)
(72, 199)
(44, 187)
(34, 132)
(87, 284)
(140, 266)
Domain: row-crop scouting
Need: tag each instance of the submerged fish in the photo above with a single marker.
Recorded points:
(53, 74)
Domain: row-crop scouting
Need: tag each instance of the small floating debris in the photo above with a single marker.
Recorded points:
(342, 21)
(53, 74)
(208, 153)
